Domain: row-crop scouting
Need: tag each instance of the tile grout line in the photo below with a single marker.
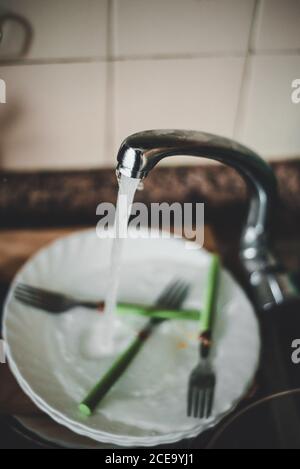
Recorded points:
(149, 58)
(113, 59)
(240, 112)
(110, 86)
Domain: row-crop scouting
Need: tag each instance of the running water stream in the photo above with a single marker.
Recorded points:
(127, 189)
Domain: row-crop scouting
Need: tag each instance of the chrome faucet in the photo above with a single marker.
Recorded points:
(141, 152)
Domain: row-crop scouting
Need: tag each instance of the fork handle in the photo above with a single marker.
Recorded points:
(88, 405)
(205, 344)
(209, 309)
(92, 305)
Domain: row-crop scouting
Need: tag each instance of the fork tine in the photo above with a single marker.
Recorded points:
(197, 400)
(190, 401)
(20, 291)
(203, 403)
(199, 403)
(167, 292)
(29, 293)
(210, 402)
(44, 295)
(174, 296)
(27, 288)
(42, 298)
(173, 293)
(183, 292)
(29, 301)
(39, 292)
(179, 294)
(37, 303)
(35, 299)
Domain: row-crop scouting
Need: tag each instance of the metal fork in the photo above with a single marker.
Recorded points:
(50, 301)
(202, 388)
(173, 296)
(202, 381)
(57, 303)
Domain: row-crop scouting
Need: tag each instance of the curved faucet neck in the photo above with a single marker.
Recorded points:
(141, 152)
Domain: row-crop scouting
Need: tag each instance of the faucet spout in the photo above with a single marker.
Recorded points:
(141, 152)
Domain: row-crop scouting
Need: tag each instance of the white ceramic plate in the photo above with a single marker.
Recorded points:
(52, 362)
(50, 431)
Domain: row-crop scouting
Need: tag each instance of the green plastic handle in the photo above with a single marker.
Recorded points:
(88, 405)
(185, 315)
(209, 307)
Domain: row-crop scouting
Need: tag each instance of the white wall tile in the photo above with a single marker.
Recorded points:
(54, 116)
(144, 27)
(200, 94)
(271, 120)
(61, 28)
(278, 26)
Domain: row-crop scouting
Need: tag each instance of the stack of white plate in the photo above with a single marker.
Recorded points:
(53, 361)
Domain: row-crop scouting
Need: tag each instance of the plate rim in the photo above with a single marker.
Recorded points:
(57, 416)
